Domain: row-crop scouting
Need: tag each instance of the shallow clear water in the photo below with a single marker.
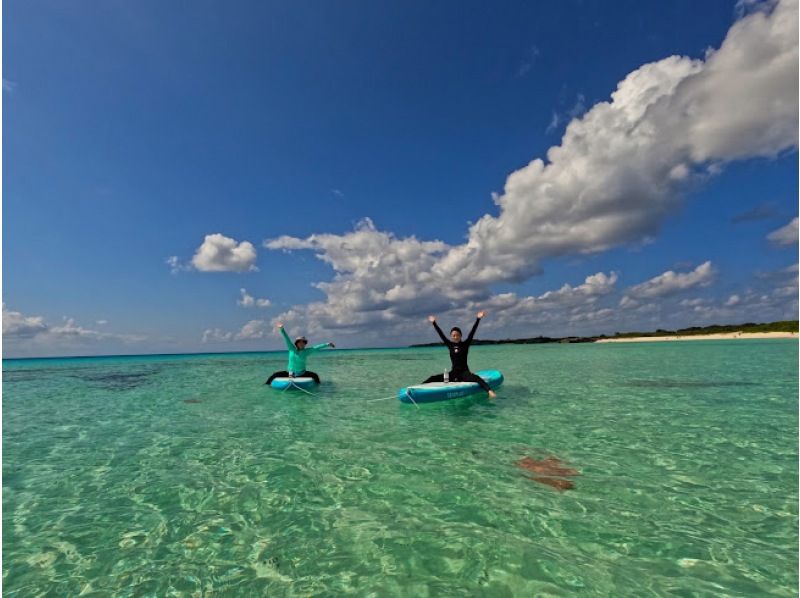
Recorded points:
(114, 484)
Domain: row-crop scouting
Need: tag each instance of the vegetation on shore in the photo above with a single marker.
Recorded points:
(746, 328)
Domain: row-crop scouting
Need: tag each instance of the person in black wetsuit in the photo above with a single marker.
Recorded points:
(459, 351)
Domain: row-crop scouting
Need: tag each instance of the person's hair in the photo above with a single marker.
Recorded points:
(456, 328)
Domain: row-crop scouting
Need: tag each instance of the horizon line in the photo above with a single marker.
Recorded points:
(410, 346)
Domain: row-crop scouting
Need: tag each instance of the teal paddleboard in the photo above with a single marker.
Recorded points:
(287, 383)
(431, 392)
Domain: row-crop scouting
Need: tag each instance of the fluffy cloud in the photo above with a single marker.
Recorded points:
(377, 276)
(252, 330)
(786, 235)
(733, 300)
(19, 329)
(621, 167)
(219, 253)
(769, 296)
(215, 335)
(175, 264)
(250, 301)
(567, 304)
(619, 172)
(70, 330)
(693, 302)
(16, 325)
(781, 283)
(670, 283)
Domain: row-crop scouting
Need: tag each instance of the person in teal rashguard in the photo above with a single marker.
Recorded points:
(298, 351)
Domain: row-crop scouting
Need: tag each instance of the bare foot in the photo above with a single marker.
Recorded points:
(492, 394)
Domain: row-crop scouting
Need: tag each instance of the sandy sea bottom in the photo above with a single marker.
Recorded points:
(184, 475)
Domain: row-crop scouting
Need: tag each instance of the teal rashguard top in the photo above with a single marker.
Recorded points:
(297, 359)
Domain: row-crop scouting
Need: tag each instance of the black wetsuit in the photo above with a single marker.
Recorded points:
(459, 371)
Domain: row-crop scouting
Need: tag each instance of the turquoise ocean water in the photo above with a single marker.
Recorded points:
(114, 484)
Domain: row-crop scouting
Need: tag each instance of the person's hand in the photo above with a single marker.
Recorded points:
(481, 314)
(280, 325)
(431, 319)
(331, 345)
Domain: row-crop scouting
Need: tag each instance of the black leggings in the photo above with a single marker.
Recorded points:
(465, 376)
(285, 374)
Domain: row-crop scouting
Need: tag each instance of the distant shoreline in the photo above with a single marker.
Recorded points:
(781, 329)
(699, 337)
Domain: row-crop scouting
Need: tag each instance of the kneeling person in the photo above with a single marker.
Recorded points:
(298, 351)
(459, 350)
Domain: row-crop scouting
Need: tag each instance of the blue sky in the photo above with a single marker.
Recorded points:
(247, 143)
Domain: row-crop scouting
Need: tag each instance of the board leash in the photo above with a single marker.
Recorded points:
(408, 394)
(298, 388)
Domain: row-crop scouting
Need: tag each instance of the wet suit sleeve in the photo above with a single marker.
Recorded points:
(472, 332)
(440, 333)
(289, 343)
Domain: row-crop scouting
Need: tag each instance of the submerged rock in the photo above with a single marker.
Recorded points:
(547, 467)
(550, 472)
(557, 483)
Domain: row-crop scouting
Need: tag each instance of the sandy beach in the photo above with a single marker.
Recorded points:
(700, 337)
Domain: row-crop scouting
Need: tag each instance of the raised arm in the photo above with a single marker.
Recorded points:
(289, 343)
(432, 320)
(319, 347)
(475, 326)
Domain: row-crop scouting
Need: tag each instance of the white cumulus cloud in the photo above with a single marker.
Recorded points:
(69, 329)
(786, 235)
(670, 283)
(21, 330)
(176, 265)
(619, 172)
(565, 304)
(219, 253)
(215, 335)
(377, 276)
(247, 300)
(16, 325)
(252, 330)
(733, 300)
(621, 168)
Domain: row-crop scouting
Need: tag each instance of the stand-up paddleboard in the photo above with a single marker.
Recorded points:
(287, 383)
(444, 391)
